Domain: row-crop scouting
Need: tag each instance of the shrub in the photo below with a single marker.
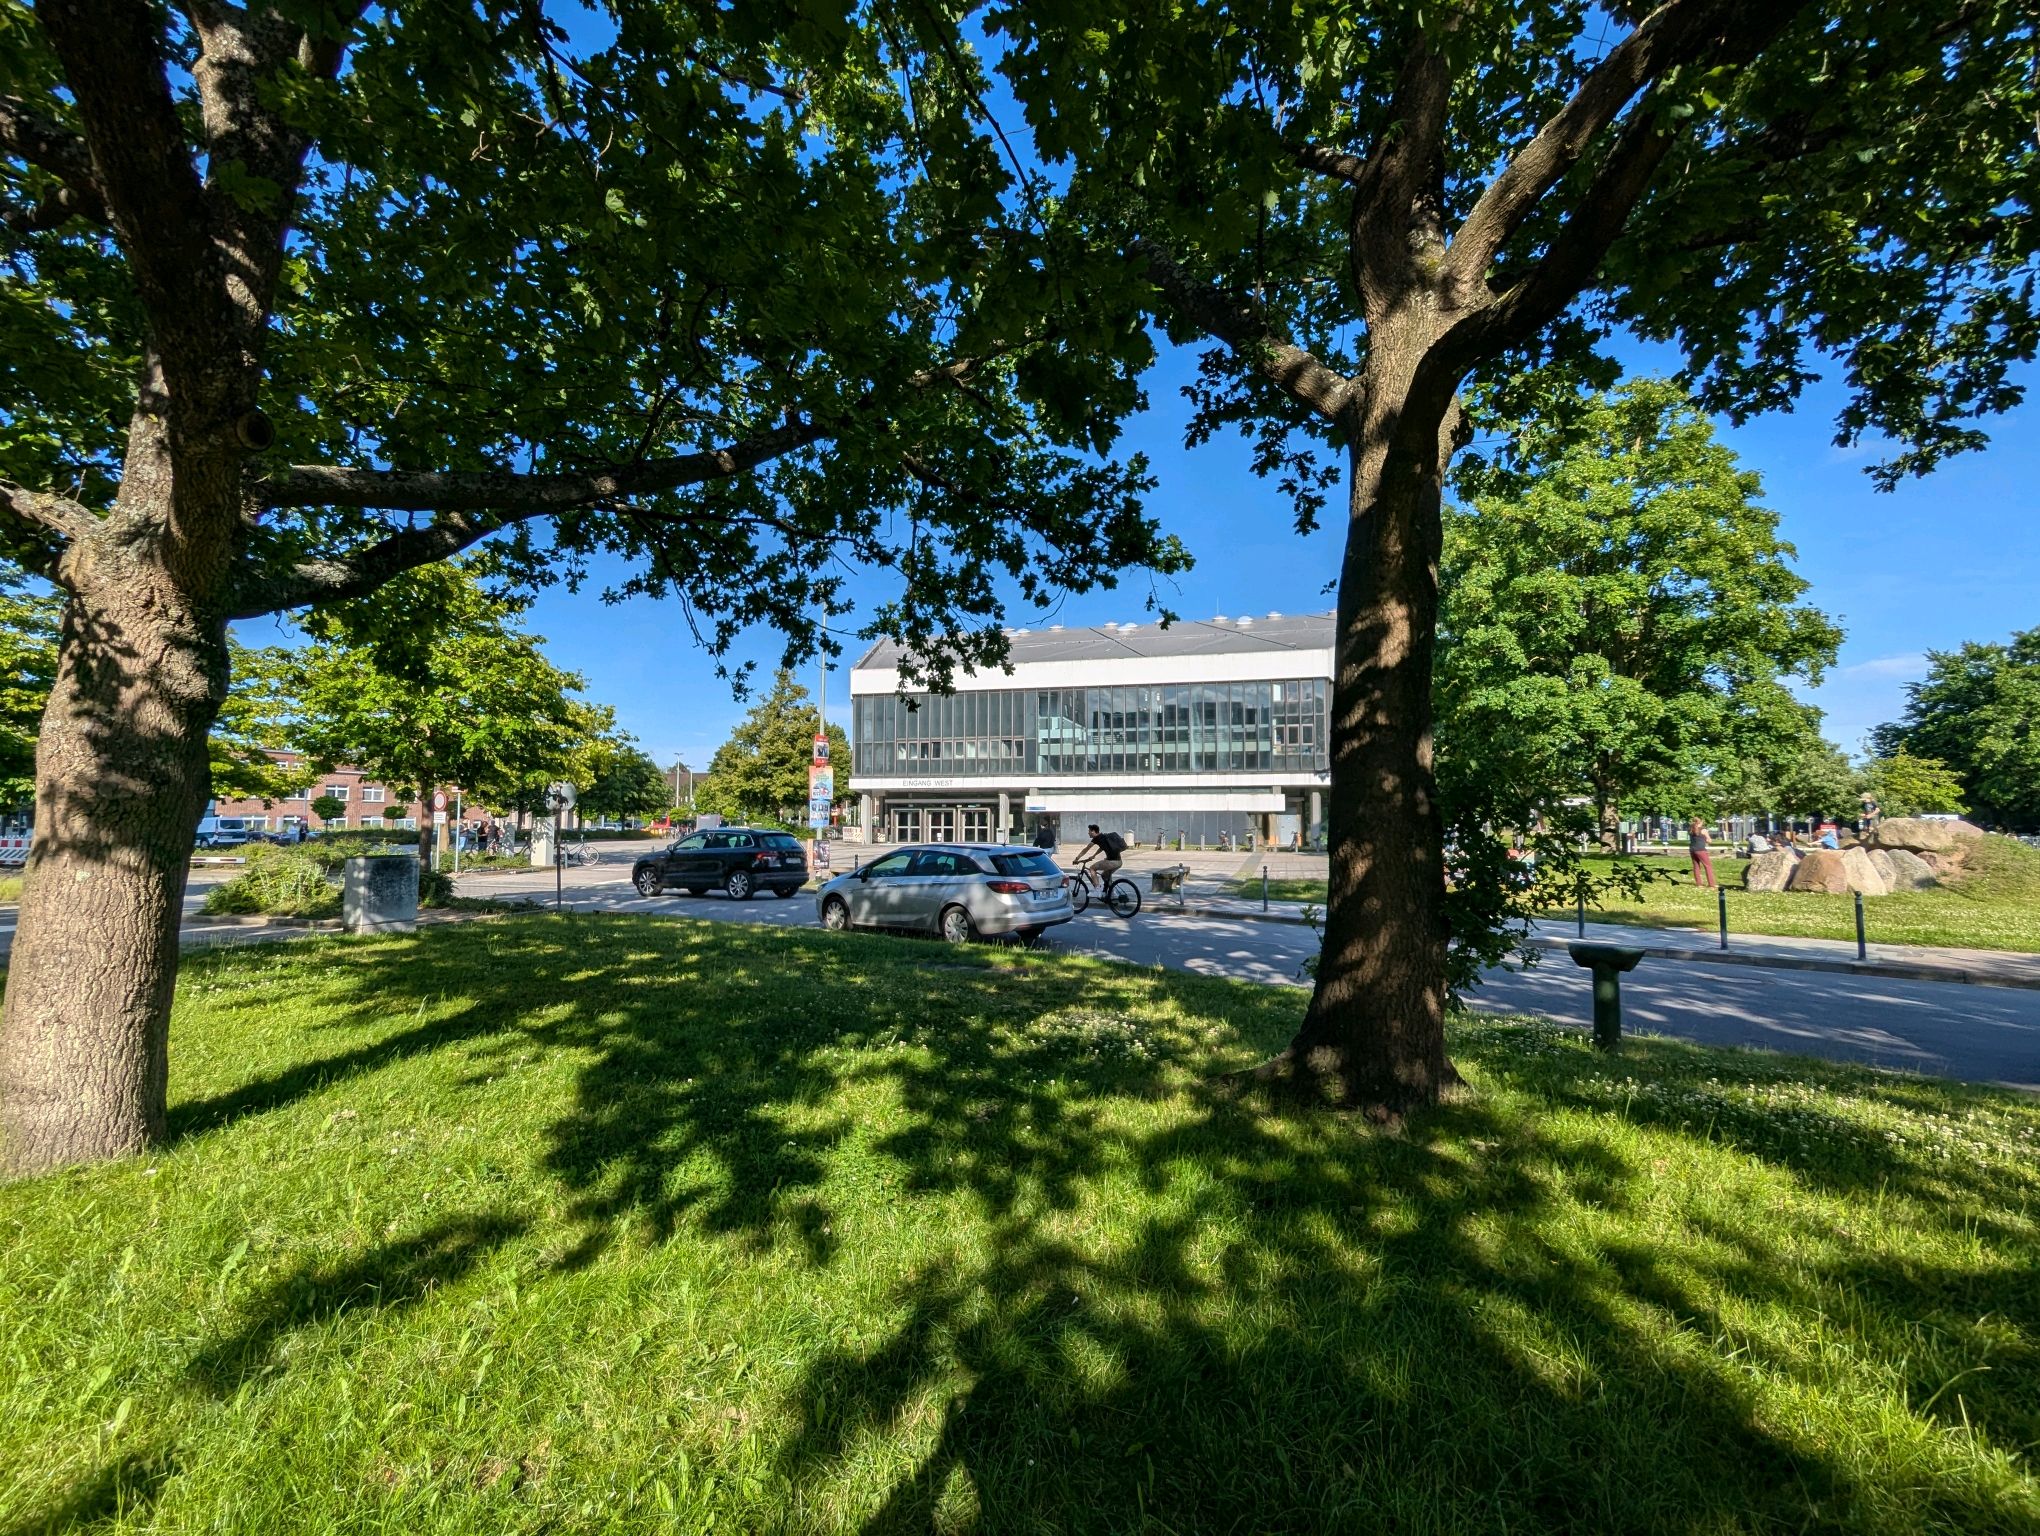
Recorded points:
(277, 882)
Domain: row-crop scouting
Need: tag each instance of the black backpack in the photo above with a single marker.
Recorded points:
(1113, 844)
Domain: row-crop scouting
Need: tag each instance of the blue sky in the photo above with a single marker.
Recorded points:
(1951, 558)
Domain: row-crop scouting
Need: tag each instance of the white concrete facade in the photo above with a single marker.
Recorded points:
(1202, 732)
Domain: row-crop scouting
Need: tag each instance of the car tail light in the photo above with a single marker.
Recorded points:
(763, 861)
(1009, 887)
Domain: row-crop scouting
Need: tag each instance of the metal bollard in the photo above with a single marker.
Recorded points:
(1862, 949)
(1721, 901)
(1264, 887)
(1583, 914)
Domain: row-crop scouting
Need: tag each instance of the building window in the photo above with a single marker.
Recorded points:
(337, 791)
(371, 794)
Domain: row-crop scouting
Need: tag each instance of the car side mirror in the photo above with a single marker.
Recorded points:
(864, 872)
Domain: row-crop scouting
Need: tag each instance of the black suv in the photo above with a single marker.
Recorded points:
(738, 859)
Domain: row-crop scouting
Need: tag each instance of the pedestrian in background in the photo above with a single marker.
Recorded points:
(1697, 842)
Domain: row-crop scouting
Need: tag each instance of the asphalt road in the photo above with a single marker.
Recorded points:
(1982, 1034)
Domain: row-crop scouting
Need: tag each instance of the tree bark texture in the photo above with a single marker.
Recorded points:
(1374, 1035)
(122, 777)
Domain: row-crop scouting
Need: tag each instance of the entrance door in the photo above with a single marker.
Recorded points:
(942, 825)
(906, 825)
(977, 824)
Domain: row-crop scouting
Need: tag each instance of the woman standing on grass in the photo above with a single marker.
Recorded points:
(1696, 844)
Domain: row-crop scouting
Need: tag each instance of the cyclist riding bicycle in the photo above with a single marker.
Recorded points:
(1101, 854)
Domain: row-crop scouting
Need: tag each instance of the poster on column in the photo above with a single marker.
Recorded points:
(821, 795)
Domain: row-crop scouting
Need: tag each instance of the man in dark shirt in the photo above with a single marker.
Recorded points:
(1101, 853)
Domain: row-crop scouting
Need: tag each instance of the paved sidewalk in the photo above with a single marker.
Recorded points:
(1909, 962)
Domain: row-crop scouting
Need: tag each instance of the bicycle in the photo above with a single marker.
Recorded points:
(576, 854)
(1121, 896)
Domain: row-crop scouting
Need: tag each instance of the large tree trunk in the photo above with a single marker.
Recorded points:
(121, 780)
(1374, 1035)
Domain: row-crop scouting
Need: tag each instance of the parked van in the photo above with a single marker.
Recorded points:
(223, 831)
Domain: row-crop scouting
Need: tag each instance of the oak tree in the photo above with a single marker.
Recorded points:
(301, 297)
(1358, 209)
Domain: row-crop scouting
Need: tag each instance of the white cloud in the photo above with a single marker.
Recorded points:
(1911, 664)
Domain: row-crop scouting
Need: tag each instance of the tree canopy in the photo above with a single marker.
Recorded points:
(1978, 711)
(1619, 617)
(668, 283)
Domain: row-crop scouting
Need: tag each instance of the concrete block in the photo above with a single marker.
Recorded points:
(379, 894)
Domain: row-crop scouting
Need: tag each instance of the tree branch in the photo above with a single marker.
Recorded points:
(1676, 33)
(1245, 327)
(398, 490)
(1328, 162)
(51, 147)
(47, 513)
(113, 60)
(1398, 218)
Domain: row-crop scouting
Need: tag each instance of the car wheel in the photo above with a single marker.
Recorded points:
(739, 885)
(784, 891)
(836, 914)
(956, 926)
(647, 882)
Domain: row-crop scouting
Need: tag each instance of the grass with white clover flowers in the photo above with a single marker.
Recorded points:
(586, 1223)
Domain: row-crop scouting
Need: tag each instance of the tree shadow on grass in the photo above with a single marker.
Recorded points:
(385, 1278)
(125, 1487)
(1168, 1310)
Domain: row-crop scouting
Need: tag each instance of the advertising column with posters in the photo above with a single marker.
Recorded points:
(821, 798)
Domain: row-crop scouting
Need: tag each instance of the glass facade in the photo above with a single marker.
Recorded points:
(1042, 734)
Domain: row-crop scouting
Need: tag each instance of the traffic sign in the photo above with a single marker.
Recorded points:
(439, 800)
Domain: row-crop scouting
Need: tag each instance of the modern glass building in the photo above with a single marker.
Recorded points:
(1204, 730)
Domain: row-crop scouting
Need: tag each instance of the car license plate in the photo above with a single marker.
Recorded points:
(1047, 895)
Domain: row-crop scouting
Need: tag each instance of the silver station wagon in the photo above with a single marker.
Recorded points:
(958, 890)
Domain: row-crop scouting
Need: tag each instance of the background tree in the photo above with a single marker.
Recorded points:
(298, 298)
(1911, 786)
(1816, 782)
(329, 809)
(762, 770)
(1978, 712)
(615, 777)
(28, 668)
(252, 721)
(1617, 611)
(1361, 207)
(460, 696)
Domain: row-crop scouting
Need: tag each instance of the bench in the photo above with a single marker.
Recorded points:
(1168, 880)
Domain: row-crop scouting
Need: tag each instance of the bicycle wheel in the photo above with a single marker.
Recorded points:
(591, 856)
(1123, 898)
(1080, 894)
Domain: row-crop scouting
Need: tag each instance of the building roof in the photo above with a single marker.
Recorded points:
(1226, 636)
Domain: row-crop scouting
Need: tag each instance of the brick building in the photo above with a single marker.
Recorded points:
(367, 800)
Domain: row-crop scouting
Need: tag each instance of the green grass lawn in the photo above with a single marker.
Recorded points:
(1996, 907)
(593, 1224)
(10, 889)
(1249, 889)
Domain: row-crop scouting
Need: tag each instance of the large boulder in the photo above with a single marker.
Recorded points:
(1821, 870)
(1771, 871)
(1917, 834)
(1863, 875)
(1903, 870)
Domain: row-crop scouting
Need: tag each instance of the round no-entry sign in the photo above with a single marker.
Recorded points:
(438, 799)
